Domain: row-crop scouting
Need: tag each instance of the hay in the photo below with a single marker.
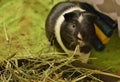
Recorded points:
(51, 68)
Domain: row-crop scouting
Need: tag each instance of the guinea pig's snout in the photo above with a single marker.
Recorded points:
(80, 39)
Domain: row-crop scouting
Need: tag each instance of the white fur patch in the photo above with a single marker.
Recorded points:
(79, 36)
(80, 18)
(81, 43)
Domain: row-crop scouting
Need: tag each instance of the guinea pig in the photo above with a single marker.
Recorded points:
(68, 25)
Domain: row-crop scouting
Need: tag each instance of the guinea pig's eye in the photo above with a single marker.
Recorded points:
(73, 25)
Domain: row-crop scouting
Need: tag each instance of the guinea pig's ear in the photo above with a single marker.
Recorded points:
(89, 16)
(69, 16)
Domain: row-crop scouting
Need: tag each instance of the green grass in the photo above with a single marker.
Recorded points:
(24, 22)
(22, 34)
(109, 58)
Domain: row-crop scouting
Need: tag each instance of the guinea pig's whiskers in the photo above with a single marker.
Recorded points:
(71, 44)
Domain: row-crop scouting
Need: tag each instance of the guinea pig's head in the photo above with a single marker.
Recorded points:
(78, 28)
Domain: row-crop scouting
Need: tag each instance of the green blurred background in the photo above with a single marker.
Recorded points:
(22, 24)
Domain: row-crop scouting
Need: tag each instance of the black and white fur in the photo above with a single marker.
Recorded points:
(68, 25)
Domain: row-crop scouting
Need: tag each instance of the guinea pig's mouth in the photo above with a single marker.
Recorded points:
(84, 48)
(76, 42)
(80, 40)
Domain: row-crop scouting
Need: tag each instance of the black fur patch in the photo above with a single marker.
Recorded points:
(85, 49)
